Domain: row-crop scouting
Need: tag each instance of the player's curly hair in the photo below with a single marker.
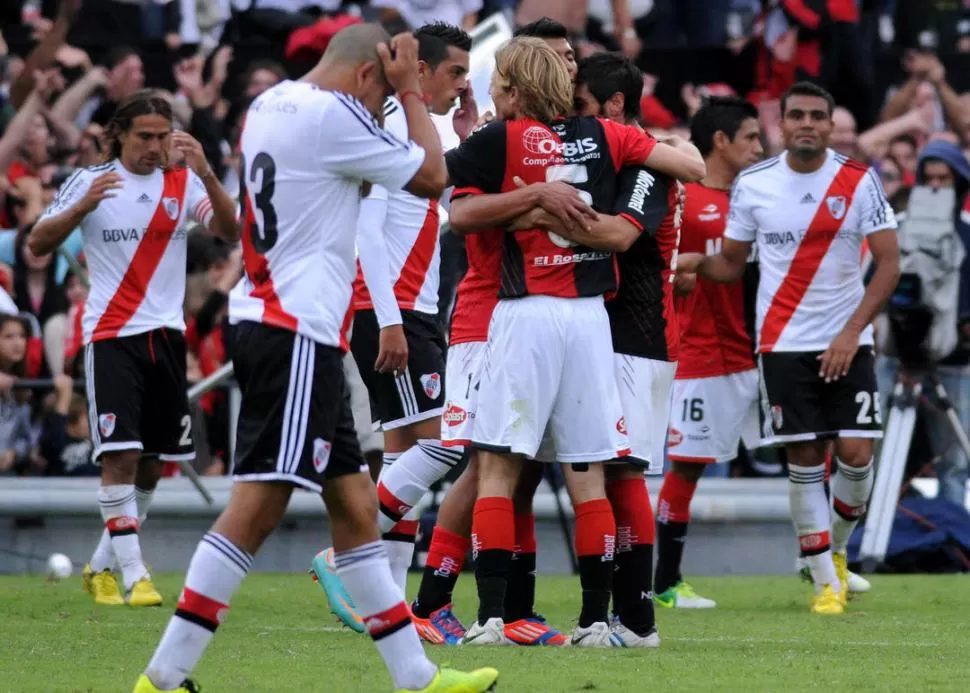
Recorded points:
(539, 74)
(142, 102)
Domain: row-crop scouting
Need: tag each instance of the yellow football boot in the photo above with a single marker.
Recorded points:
(451, 681)
(827, 602)
(102, 586)
(143, 593)
(841, 562)
(145, 685)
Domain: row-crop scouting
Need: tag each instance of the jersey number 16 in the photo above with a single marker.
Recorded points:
(263, 168)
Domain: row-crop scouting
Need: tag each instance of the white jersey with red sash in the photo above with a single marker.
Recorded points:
(135, 247)
(809, 229)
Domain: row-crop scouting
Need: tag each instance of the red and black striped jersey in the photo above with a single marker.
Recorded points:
(642, 316)
(585, 152)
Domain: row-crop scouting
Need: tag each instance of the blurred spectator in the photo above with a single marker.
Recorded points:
(65, 442)
(463, 13)
(15, 428)
(125, 75)
(38, 293)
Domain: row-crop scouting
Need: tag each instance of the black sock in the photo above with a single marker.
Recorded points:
(670, 551)
(520, 596)
(596, 578)
(492, 575)
(435, 591)
(633, 588)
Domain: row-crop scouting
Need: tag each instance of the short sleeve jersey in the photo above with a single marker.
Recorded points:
(809, 229)
(135, 247)
(305, 154)
(642, 316)
(585, 152)
(714, 338)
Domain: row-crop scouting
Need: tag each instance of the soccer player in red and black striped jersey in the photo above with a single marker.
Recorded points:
(549, 358)
(717, 352)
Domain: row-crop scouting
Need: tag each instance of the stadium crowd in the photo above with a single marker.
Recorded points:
(896, 67)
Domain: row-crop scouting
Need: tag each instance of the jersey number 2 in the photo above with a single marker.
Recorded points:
(264, 168)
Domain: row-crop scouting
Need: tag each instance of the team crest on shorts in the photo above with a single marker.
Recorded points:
(836, 205)
(106, 424)
(321, 454)
(776, 416)
(171, 207)
(431, 382)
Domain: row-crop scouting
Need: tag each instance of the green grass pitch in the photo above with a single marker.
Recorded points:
(911, 633)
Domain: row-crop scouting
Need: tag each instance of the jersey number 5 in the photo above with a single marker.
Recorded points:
(574, 174)
(263, 168)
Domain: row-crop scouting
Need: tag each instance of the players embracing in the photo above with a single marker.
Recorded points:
(809, 210)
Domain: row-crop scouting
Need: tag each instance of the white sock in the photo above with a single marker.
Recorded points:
(850, 493)
(810, 515)
(104, 556)
(403, 484)
(120, 513)
(215, 573)
(399, 544)
(143, 499)
(366, 575)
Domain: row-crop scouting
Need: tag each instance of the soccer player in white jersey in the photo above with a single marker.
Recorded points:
(809, 209)
(307, 149)
(133, 212)
(397, 340)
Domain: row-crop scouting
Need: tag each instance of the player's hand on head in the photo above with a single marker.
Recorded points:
(400, 60)
(465, 120)
(837, 359)
(392, 356)
(103, 187)
(190, 148)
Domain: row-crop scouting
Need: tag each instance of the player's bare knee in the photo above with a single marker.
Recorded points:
(429, 429)
(455, 513)
(688, 471)
(119, 467)
(498, 474)
(810, 453)
(253, 512)
(352, 506)
(585, 482)
(148, 472)
(854, 452)
(400, 439)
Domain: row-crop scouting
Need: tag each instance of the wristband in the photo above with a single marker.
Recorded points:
(401, 95)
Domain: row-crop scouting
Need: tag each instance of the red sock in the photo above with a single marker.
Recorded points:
(493, 538)
(446, 557)
(447, 550)
(525, 533)
(595, 548)
(675, 497)
(633, 575)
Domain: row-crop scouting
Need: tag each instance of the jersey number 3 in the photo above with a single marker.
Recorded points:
(264, 170)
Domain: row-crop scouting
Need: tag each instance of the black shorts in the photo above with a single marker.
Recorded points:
(801, 406)
(137, 395)
(419, 392)
(295, 422)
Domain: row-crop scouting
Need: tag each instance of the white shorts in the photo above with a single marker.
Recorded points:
(646, 387)
(710, 416)
(549, 362)
(462, 373)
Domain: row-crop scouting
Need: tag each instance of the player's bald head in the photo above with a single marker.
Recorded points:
(356, 44)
